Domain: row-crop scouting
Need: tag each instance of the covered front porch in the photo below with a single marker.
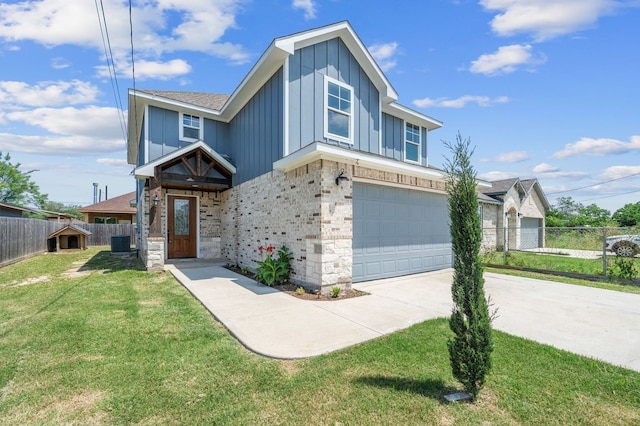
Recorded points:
(180, 205)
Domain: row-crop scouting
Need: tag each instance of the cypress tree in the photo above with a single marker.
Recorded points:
(471, 346)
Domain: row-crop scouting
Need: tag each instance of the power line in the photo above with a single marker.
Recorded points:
(595, 184)
(609, 196)
(133, 70)
(106, 41)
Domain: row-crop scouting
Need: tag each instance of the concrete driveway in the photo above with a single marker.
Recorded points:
(598, 323)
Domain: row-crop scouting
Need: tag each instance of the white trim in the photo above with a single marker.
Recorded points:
(379, 124)
(404, 142)
(415, 117)
(318, 150)
(285, 124)
(327, 134)
(147, 170)
(397, 185)
(146, 133)
(181, 127)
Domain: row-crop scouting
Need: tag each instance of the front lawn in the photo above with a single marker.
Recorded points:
(112, 345)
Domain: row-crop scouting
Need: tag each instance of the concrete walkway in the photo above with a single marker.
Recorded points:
(598, 323)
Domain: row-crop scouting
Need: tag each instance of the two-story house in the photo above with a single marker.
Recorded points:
(310, 151)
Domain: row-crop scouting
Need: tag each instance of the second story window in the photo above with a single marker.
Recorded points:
(412, 143)
(338, 116)
(190, 127)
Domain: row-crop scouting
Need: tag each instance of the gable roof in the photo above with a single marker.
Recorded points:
(119, 204)
(147, 170)
(215, 106)
(500, 187)
(70, 228)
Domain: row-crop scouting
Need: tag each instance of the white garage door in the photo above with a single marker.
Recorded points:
(530, 233)
(398, 231)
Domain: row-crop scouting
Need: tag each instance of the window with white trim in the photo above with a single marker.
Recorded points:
(412, 143)
(338, 116)
(190, 127)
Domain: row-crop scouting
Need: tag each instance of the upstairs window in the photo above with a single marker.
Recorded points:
(412, 143)
(190, 127)
(338, 116)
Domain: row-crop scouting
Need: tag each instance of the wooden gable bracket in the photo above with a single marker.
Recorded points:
(197, 176)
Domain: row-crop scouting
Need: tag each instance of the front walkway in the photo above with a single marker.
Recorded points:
(598, 323)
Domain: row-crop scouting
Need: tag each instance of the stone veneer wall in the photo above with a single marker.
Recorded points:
(303, 209)
(153, 250)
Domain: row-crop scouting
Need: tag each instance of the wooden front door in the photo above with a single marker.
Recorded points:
(181, 227)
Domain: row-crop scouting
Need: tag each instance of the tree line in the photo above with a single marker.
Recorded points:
(569, 213)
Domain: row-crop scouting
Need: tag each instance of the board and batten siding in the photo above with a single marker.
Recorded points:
(307, 68)
(164, 128)
(257, 131)
(393, 139)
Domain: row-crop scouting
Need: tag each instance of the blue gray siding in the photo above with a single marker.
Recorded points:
(307, 68)
(393, 139)
(257, 131)
(164, 128)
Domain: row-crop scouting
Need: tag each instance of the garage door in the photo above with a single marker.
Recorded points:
(398, 232)
(530, 232)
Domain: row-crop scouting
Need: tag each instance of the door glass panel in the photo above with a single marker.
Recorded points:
(181, 217)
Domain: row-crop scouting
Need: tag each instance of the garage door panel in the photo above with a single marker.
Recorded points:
(406, 232)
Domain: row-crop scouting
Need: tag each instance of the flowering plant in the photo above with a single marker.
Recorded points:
(272, 271)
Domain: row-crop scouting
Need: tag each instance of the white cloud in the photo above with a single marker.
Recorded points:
(497, 175)
(545, 168)
(59, 145)
(598, 147)
(545, 19)
(483, 101)
(617, 172)
(92, 121)
(148, 69)
(59, 63)
(308, 6)
(511, 157)
(113, 162)
(505, 60)
(201, 25)
(50, 93)
(384, 53)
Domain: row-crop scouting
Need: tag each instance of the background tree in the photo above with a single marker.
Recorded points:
(16, 187)
(471, 346)
(567, 212)
(54, 206)
(628, 215)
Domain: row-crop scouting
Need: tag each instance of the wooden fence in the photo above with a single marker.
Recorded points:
(21, 238)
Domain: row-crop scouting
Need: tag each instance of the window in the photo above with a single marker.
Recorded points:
(190, 128)
(412, 143)
(105, 220)
(338, 117)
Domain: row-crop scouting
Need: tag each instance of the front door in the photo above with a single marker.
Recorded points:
(181, 227)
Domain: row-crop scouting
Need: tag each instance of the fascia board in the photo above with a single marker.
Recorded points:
(316, 151)
(147, 170)
(410, 115)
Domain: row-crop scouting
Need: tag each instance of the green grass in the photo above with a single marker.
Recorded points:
(122, 346)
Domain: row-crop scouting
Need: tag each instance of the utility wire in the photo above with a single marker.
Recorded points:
(106, 43)
(133, 70)
(614, 195)
(595, 184)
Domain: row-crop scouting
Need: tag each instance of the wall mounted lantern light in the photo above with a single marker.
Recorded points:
(156, 200)
(340, 177)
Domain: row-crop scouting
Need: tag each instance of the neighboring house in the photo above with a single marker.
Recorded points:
(515, 208)
(10, 210)
(119, 209)
(310, 151)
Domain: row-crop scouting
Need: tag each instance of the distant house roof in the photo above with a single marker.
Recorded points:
(499, 188)
(48, 214)
(70, 228)
(120, 204)
(6, 206)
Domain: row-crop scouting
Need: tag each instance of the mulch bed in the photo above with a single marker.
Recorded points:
(292, 289)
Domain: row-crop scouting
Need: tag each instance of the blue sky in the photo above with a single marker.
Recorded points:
(546, 89)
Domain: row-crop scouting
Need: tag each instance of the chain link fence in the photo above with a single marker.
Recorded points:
(583, 252)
